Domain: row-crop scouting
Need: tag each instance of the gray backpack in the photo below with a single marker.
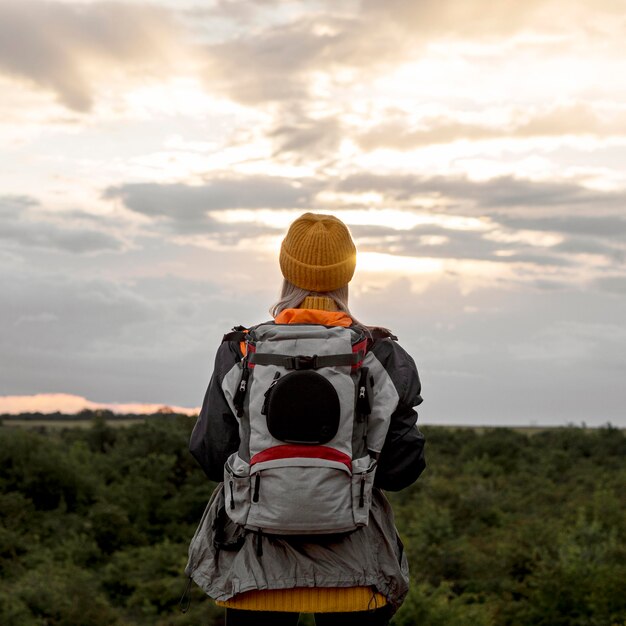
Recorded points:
(303, 395)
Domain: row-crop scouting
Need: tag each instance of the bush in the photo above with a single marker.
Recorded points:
(504, 528)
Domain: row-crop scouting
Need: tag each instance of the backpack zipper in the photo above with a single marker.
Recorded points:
(240, 394)
(257, 484)
(364, 401)
(268, 393)
(232, 496)
(362, 494)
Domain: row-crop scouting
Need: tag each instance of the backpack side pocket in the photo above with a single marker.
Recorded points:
(363, 472)
(237, 489)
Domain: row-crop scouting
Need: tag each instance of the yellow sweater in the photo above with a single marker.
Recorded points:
(308, 600)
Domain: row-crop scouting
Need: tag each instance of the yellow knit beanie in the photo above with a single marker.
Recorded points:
(318, 253)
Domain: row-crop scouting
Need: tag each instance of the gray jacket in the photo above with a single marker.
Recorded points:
(224, 559)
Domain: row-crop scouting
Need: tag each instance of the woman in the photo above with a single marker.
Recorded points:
(358, 577)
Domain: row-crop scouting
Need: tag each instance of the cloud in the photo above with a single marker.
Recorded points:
(574, 247)
(613, 254)
(279, 64)
(576, 119)
(72, 48)
(290, 51)
(187, 208)
(583, 234)
(23, 224)
(473, 364)
(506, 198)
(117, 333)
(503, 192)
(481, 18)
(282, 53)
(606, 226)
(308, 137)
(453, 17)
(432, 241)
(425, 240)
(611, 284)
(10, 205)
(508, 235)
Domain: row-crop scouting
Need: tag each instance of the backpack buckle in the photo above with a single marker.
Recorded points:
(305, 362)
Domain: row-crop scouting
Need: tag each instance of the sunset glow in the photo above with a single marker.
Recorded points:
(69, 404)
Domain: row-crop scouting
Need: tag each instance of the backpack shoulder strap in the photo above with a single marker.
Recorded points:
(305, 362)
(380, 332)
(238, 333)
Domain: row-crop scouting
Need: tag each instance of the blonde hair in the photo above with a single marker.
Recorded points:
(291, 297)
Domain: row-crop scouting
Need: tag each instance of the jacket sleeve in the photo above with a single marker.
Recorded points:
(401, 459)
(216, 433)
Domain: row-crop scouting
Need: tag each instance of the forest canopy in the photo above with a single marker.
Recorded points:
(505, 527)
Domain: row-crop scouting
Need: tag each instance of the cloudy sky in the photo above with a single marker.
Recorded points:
(154, 153)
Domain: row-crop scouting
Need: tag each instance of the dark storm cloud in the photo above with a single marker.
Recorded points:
(68, 47)
(22, 224)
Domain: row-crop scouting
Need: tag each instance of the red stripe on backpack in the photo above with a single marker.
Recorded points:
(290, 451)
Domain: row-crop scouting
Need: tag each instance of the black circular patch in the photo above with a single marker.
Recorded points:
(303, 407)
